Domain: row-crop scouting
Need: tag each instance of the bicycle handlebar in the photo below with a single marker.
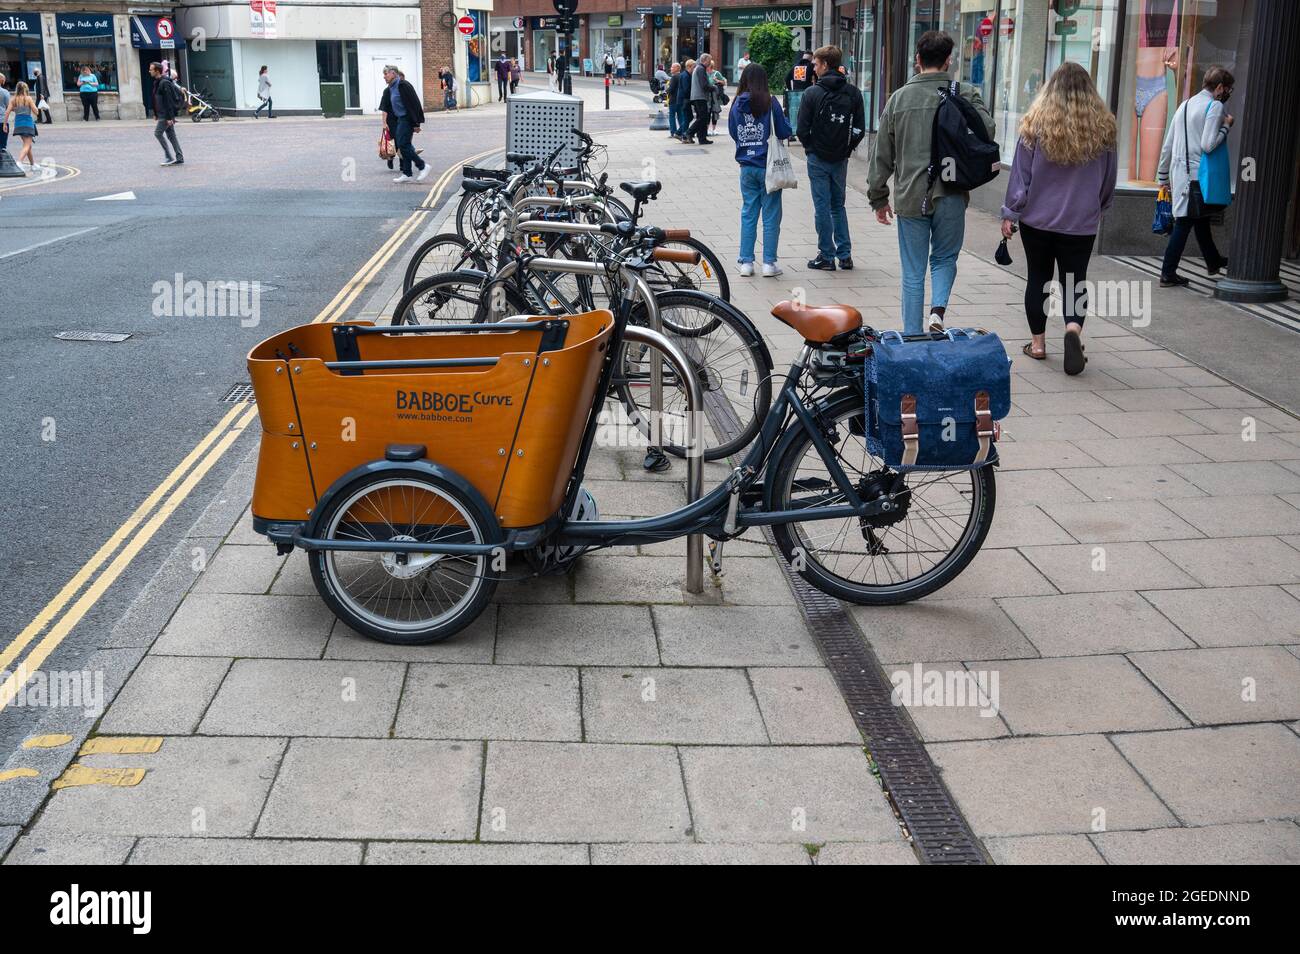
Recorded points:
(679, 255)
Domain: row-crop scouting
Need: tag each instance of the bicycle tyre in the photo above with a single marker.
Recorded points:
(471, 259)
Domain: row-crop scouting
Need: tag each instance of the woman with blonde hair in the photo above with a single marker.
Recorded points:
(20, 117)
(1062, 180)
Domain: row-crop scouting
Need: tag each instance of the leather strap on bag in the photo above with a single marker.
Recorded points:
(984, 428)
(911, 432)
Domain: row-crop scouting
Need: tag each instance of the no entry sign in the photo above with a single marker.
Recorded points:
(986, 27)
(465, 26)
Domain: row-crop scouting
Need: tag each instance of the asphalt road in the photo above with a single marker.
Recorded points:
(296, 205)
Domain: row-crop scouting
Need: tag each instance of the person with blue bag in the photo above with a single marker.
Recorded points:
(1194, 164)
(1062, 180)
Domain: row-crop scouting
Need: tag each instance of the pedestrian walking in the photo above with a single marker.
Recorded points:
(516, 74)
(717, 97)
(607, 62)
(167, 99)
(620, 68)
(681, 99)
(502, 67)
(754, 120)
(88, 87)
(831, 124)
(902, 150)
(1199, 126)
(264, 94)
(1062, 180)
(552, 77)
(401, 101)
(699, 101)
(447, 83)
(20, 120)
(741, 64)
(4, 113)
(41, 93)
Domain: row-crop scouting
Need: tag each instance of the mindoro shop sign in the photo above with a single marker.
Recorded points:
(790, 16)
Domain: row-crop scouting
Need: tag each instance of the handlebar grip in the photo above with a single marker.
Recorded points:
(679, 255)
(676, 234)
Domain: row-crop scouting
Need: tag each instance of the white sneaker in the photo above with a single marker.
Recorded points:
(746, 269)
(936, 323)
(167, 162)
(404, 179)
(772, 270)
(424, 173)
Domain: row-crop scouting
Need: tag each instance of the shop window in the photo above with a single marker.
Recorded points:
(20, 49)
(1169, 44)
(86, 39)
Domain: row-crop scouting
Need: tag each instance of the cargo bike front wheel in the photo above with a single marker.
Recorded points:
(408, 598)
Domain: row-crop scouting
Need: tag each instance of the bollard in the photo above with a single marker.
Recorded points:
(607, 91)
(660, 122)
(8, 168)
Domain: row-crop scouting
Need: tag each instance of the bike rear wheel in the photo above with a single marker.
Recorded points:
(456, 298)
(445, 252)
(939, 520)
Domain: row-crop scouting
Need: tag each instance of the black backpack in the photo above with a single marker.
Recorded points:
(961, 150)
(832, 127)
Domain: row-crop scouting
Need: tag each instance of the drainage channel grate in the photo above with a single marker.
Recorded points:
(238, 394)
(909, 777)
(111, 337)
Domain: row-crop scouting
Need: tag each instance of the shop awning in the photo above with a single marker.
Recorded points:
(155, 33)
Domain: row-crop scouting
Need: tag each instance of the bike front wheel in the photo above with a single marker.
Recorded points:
(937, 525)
(445, 252)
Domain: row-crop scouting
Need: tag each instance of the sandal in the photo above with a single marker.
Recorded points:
(1028, 351)
(1074, 356)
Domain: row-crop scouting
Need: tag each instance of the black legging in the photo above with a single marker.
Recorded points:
(1055, 254)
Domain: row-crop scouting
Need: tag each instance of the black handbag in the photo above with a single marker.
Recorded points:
(1003, 255)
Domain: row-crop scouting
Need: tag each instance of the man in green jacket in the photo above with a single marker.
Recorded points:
(902, 150)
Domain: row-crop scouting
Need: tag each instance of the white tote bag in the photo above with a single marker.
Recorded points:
(780, 170)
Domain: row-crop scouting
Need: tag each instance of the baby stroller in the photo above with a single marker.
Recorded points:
(199, 108)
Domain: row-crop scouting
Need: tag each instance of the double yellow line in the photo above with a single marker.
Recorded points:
(139, 528)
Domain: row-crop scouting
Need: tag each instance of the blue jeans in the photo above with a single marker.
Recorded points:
(935, 239)
(677, 119)
(827, 181)
(404, 148)
(757, 200)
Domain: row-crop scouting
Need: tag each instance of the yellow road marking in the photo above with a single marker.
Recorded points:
(73, 172)
(219, 434)
(18, 773)
(78, 775)
(122, 745)
(47, 741)
(74, 585)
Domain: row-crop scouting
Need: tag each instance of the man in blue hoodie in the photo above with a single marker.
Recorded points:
(755, 119)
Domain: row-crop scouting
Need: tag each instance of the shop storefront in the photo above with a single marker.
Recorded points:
(547, 41)
(736, 25)
(20, 48)
(615, 33)
(508, 38)
(86, 42)
(691, 40)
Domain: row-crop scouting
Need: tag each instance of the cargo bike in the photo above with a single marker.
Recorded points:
(420, 465)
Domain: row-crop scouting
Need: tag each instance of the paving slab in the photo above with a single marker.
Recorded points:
(1151, 482)
(474, 643)
(954, 707)
(44, 846)
(941, 629)
(1244, 516)
(1238, 478)
(641, 854)
(803, 707)
(996, 573)
(632, 579)
(432, 853)
(866, 853)
(1119, 521)
(734, 636)
(240, 569)
(1147, 423)
(375, 788)
(244, 851)
(550, 634)
(1232, 616)
(1137, 452)
(1042, 786)
(579, 792)
(490, 702)
(1229, 447)
(1241, 772)
(1216, 686)
(166, 695)
(1239, 561)
(1078, 624)
(1044, 850)
(664, 705)
(805, 794)
(1024, 527)
(285, 627)
(1078, 695)
(1097, 567)
(1261, 843)
(306, 698)
(1041, 488)
(192, 786)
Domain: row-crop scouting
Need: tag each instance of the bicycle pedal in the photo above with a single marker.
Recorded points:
(715, 557)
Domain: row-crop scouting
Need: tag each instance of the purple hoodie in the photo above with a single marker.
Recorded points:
(1069, 199)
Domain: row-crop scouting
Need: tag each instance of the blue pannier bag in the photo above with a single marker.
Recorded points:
(932, 401)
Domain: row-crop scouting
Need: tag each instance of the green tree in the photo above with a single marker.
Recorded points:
(772, 45)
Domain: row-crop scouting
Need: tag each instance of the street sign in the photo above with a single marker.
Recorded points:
(1067, 27)
(465, 26)
(519, 23)
(566, 7)
(645, 11)
(986, 27)
(1007, 27)
(166, 34)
